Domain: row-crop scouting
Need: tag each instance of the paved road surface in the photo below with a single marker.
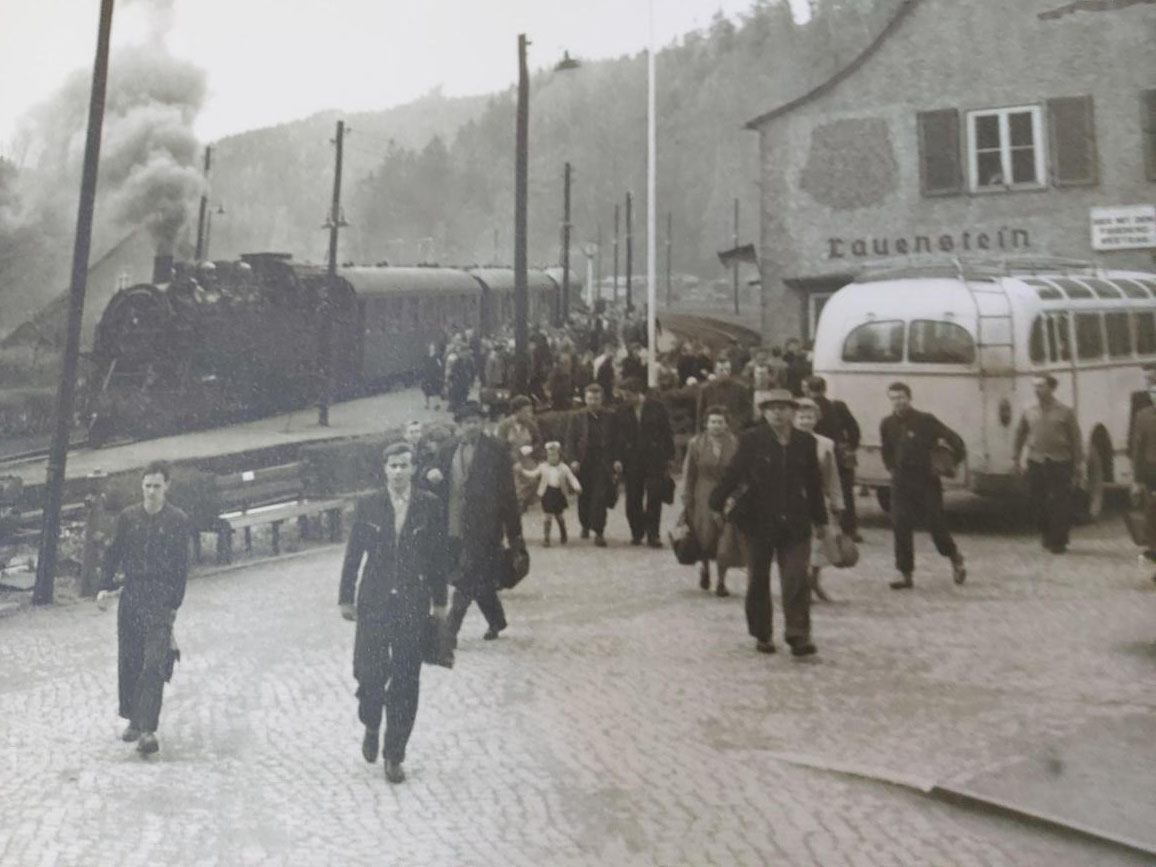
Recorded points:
(623, 719)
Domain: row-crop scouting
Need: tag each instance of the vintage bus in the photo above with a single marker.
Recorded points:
(969, 337)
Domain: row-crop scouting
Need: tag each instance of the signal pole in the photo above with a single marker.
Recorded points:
(566, 244)
(616, 255)
(735, 266)
(325, 340)
(42, 591)
(521, 166)
(669, 233)
(203, 216)
(629, 256)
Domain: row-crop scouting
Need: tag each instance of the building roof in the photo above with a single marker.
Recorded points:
(904, 9)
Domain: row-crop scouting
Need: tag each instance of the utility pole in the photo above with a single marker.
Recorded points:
(598, 265)
(566, 244)
(669, 232)
(629, 257)
(325, 341)
(735, 265)
(43, 590)
(521, 163)
(616, 255)
(202, 228)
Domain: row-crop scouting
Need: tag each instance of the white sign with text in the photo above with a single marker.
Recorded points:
(1128, 227)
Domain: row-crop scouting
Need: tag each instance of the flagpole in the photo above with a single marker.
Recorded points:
(651, 230)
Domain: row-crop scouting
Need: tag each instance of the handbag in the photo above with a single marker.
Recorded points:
(840, 550)
(438, 643)
(684, 543)
(515, 567)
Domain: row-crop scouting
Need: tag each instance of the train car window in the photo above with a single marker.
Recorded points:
(1073, 289)
(931, 342)
(1146, 332)
(1089, 336)
(1130, 288)
(1037, 342)
(1059, 338)
(1119, 334)
(1102, 288)
(875, 342)
(1045, 290)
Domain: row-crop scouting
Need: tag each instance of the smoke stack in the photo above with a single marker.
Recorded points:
(163, 268)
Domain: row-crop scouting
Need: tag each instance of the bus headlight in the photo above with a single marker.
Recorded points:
(1005, 412)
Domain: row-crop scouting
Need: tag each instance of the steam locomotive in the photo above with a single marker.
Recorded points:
(225, 341)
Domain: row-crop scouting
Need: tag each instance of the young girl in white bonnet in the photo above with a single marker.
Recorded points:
(555, 481)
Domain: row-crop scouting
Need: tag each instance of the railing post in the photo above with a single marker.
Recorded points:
(93, 535)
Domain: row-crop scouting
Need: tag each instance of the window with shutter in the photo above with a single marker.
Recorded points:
(1148, 98)
(939, 157)
(1073, 141)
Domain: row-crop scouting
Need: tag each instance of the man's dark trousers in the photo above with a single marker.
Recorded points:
(912, 501)
(403, 622)
(849, 522)
(143, 631)
(643, 518)
(594, 476)
(793, 557)
(1050, 487)
(476, 589)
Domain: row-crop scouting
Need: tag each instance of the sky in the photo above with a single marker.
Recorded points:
(269, 61)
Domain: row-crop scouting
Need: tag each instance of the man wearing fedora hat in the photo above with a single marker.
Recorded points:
(775, 474)
(475, 480)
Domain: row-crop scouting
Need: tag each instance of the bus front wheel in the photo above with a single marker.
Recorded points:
(1090, 498)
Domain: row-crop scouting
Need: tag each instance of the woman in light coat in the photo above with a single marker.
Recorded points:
(806, 417)
(707, 456)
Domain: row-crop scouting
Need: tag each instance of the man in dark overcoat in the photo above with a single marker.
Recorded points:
(474, 478)
(399, 535)
(643, 454)
(780, 508)
(151, 546)
(589, 448)
(726, 391)
(908, 438)
(838, 424)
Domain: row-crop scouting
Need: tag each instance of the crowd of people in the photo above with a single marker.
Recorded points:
(768, 477)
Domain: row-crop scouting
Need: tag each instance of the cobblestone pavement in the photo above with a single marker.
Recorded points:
(624, 718)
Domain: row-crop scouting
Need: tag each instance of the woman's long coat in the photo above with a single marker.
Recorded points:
(701, 474)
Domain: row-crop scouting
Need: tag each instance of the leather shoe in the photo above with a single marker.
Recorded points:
(393, 772)
(130, 734)
(653, 543)
(491, 634)
(805, 648)
(585, 534)
(147, 745)
(599, 541)
(765, 647)
(721, 591)
(636, 541)
(369, 745)
(904, 583)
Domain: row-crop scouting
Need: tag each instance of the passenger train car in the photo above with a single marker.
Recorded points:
(231, 340)
(969, 338)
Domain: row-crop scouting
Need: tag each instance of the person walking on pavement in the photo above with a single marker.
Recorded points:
(1141, 399)
(1054, 462)
(778, 502)
(644, 451)
(433, 376)
(909, 437)
(1143, 456)
(807, 416)
(398, 534)
(725, 391)
(589, 446)
(838, 424)
(707, 455)
(151, 545)
(475, 479)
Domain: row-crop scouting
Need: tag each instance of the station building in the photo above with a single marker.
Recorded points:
(977, 129)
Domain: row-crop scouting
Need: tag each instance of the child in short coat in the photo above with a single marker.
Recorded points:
(555, 481)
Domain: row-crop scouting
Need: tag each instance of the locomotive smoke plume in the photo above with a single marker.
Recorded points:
(148, 174)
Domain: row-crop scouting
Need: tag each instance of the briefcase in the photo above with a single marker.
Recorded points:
(666, 489)
(840, 550)
(684, 543)
(943, 462)
(438, 643)
(515, 567)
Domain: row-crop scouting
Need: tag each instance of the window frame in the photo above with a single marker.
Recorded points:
(911, 326)
(1039, 141)
(902, 357)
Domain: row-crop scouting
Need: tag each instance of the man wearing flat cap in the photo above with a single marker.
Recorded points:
(777, 488)
(398, 533)
(474, 477)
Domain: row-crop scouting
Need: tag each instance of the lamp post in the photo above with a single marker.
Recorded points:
(521, 162)
(651, 231)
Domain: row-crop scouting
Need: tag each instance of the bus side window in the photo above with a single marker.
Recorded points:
(1146, 332)
(1089, 336)
(1119, 334)
(1060, 341)
(875, 342)
(1037, 341)
(931, 342)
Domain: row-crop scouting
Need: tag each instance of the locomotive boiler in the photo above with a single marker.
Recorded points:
(226, 341)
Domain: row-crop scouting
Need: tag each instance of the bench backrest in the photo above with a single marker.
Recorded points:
(249, 489)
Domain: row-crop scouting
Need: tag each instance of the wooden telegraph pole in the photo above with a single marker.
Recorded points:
(521, 163)
(325, 341)
(566, 244)
(735, 266)
(616, 216)
(629, 256)
(203, 216)
(669, 233)
(43, 590)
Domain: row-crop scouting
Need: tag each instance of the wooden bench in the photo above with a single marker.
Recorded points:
(268, 496)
